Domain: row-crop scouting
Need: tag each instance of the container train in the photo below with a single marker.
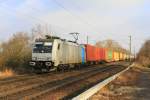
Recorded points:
(54, 53)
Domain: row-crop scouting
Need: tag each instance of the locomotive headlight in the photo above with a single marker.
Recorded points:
(48, 63)
(32, 63)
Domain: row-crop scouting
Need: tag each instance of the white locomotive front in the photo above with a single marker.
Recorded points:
(42, 55)
(54, 53)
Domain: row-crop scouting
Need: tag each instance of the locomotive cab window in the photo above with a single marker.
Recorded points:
(42, 47)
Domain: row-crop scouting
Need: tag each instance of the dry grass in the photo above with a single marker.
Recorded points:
(6, 73)
(129, 78)
(119, 89)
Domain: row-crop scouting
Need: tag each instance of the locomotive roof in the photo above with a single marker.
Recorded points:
(44, 40)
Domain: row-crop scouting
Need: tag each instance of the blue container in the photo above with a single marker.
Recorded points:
(83, 54)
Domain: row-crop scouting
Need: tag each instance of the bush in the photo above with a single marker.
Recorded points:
(16, 53)
(143, 56)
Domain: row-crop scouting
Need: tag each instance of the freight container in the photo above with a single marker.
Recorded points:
(123, 56)
(83, 54)
(109, 55)
(92, 53)
(106, 54)
(89, 53)
(97, 54)
(113, 56)
(102, 54)
(116, 56)
(120, 56)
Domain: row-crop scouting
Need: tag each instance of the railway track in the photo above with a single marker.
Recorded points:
(76, 86)
(22, 80)
(32, 76)
(25, 81)
(19, 78)
(29, 91)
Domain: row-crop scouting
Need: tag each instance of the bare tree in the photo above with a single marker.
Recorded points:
(39, 31)
(143, 56)
(99, 44)
(16, 52)
(111, 44)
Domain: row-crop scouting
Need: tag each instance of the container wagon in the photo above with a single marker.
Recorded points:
(116, 56)
(55, 53)
(92, 54)
(109, 55)
(102, 54)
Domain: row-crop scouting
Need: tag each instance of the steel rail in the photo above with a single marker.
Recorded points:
(21, 90)
(67, 82)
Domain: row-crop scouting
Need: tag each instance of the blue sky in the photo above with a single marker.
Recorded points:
(99, 19)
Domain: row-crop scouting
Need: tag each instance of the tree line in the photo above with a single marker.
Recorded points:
(16, 52)
(143, 57)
